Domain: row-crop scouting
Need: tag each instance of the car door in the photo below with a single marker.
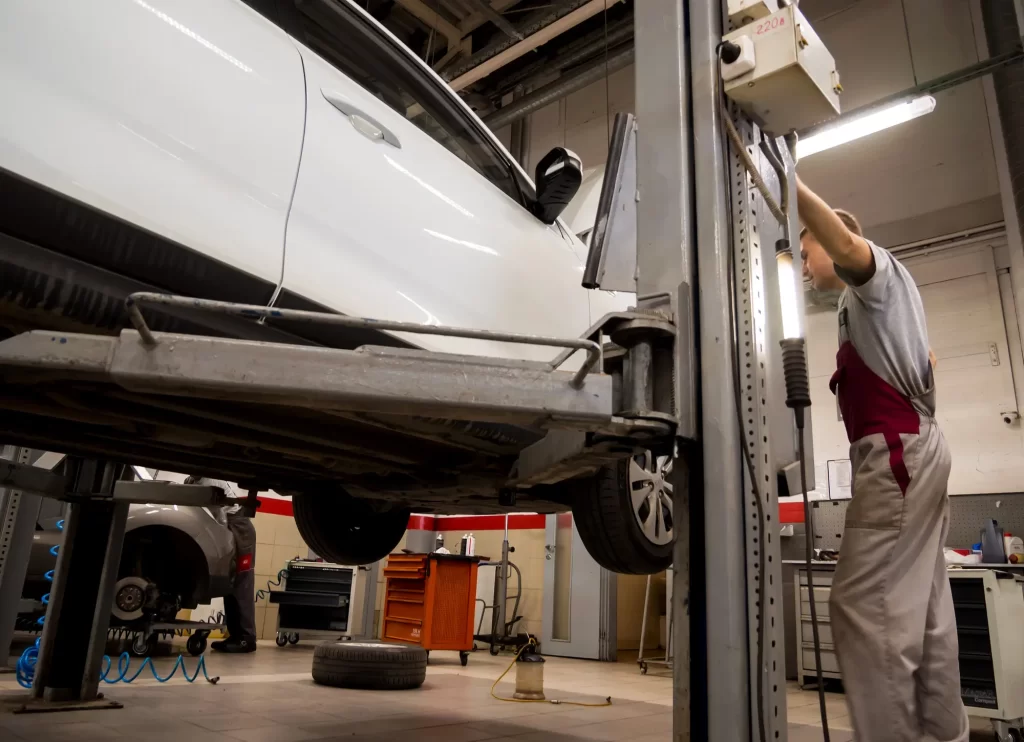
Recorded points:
(182, 117)
(406, 207)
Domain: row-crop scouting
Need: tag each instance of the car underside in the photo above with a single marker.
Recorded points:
(68, 269)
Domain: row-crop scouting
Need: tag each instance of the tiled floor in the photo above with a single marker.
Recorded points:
(270, 696)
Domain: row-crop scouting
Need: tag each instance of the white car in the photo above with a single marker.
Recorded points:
(203, 148)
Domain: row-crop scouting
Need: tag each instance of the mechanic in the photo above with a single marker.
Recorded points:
(240, 604)
(891, 606)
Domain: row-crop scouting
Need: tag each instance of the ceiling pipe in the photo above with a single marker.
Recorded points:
(433, 19)
(537, 33)
(560, 62)
(560, 88)
(484, 6)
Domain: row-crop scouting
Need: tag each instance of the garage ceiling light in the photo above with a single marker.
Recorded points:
(862, 126)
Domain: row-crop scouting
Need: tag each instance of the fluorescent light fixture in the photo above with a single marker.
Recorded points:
(788, 295)
(862, 126)
(143, 474)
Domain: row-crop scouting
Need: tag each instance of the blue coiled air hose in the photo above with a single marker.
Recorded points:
(25, 671)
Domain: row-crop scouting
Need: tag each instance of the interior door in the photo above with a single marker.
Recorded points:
(579, 597)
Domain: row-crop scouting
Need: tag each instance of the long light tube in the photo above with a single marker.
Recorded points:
(787, 295)
(862, 126)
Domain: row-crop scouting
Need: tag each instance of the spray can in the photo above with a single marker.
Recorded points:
(992, 549)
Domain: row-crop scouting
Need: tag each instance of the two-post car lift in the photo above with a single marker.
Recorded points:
(703, 390)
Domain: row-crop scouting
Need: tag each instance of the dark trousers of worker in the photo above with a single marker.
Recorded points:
(891, 607)
(240, 604)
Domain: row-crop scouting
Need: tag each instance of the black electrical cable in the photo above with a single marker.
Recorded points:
(809, 561)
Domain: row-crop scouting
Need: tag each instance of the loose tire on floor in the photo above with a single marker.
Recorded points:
(345, 530)
(603, 509)
(369, 666)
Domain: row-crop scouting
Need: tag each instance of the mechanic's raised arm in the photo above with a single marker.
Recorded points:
(847, 250)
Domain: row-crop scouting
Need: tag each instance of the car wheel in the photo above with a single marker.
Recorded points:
(346, 530)
(624, 515)
(369, 666)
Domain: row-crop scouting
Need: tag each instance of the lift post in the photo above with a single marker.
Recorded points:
(702, 226)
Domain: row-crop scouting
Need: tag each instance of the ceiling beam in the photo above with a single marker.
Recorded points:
(484, 6)
(531, 42)
(433, 19)
(476, 19)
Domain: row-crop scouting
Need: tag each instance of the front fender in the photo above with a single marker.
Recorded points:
(213, 539)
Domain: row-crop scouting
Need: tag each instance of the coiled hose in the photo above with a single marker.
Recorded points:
(25, 670)
(261, 594)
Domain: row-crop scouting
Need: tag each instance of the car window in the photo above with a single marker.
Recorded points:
(353, 44)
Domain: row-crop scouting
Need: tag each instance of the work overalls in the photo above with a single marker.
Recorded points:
(891, 607)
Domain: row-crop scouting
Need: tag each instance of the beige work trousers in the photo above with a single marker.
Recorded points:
(891, 607)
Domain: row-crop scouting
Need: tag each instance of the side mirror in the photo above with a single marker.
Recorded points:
(558, 177)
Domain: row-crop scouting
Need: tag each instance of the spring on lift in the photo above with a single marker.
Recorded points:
(26, 667)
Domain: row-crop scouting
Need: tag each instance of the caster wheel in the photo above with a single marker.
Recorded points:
(293, 638)
(494, 650)
(1016, 735)
(143, 645)
(281, 640)
(196, 644)
(464, 658)
(643, 669)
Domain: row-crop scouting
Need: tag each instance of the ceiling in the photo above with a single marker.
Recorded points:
(928, 177)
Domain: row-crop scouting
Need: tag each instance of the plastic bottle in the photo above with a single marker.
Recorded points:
(470, 545)
(992, 549)
(1015, 550)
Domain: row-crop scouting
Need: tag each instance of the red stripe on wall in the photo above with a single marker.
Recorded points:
(276, 506)
(516, 521)
(791, 512)
(421, 522)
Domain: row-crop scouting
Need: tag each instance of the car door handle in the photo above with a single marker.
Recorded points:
(365, 124)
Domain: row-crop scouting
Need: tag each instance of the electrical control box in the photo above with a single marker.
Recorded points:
(742, 12)
(793, 83)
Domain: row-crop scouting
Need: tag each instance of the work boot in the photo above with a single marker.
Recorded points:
(234, 646)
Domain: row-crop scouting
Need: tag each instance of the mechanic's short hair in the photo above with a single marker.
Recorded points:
(846, 218)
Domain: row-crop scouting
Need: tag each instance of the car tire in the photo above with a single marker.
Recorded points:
(369, 666)
(615, 518)
(345, 530)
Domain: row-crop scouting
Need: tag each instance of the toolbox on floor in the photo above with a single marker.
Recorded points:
(430, 601)
(315, 601)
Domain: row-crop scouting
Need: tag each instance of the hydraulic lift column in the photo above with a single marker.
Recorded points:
(666, 268)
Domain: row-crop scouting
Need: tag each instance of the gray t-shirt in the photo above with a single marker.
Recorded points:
(884, 319)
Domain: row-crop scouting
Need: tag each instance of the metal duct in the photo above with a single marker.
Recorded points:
(1004, 36)
(560, 88)
(594, 44)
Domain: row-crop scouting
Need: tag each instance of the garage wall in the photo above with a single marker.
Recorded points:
(932, 176)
